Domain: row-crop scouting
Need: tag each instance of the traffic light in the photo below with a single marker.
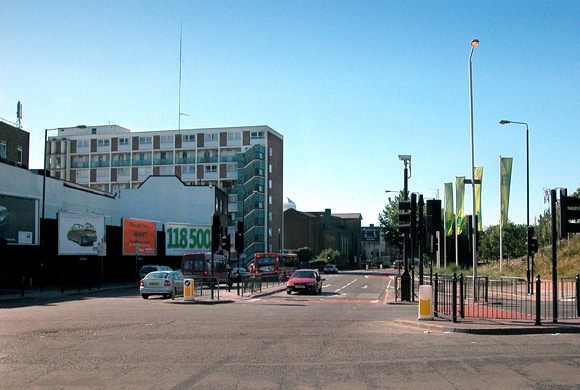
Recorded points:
(239, 237)
(404, 216)
(434, 244)
(433, 215)
(215, 233)
(568, 213)
(529, 242)
(414, 216)
(533, 246)
(227, 244)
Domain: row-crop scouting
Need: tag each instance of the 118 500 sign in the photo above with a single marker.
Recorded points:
(187, 237)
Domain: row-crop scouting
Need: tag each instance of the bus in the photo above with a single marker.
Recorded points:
(273, 264)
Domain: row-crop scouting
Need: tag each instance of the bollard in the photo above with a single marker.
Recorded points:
(425, 302)
(435, 280)
(188, 290)
(577, 295)
(538, 300)
(461, 297)
(454, 298)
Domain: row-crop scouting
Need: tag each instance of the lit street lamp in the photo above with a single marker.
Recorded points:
(506, 122)
(474, 43)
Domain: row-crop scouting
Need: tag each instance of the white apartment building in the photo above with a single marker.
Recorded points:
(245, 162)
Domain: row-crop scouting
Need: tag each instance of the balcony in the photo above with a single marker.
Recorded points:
(120, 163)
(163, 161)
(99, 164)
(143, 162)
(211, 159)
(80, 164)
(187, 160)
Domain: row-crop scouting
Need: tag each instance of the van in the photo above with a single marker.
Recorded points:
(198, 266)
(152, 268)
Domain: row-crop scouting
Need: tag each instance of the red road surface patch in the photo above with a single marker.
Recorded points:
(378, 277)
(319, 300)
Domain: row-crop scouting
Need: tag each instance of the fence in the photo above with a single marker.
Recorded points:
(506, 298)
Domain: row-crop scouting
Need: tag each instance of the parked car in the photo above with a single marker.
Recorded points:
(84, 235)
(305, 280)
(330, 269)
(152, 268)
(239, 273)
(159, 283)
(398, 264)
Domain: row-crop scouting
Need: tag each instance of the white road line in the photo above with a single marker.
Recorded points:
(346, 285)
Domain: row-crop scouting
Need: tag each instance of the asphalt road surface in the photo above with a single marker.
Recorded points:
(342, 339)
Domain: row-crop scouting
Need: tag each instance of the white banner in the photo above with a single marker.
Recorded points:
(181, 238)
(80, 234)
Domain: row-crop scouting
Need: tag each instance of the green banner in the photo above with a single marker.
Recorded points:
(478, 176)
(449, 208)
(505, 164)
(459, 201)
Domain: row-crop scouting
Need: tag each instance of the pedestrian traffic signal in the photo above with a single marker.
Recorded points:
(433, 215)
(226, 243)
(533, 245)
(215, 233)
(239, 237)
(568, 212)
(404, 216)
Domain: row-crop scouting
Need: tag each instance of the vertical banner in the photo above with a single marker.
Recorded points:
(506, 178)
(143, 233)
(478, 176)
(449, 208)
(459, 202)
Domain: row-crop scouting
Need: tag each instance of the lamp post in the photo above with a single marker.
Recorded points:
(406, 277)
(474, 43)
(506, 122)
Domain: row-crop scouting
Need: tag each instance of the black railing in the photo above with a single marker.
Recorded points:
(507, 298)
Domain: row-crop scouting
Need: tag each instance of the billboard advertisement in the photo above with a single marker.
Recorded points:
(80, 234)
(19, 220)
(371, 235)
(182, 238)
(139, 237)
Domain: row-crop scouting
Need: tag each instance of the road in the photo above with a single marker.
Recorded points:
(342, 339)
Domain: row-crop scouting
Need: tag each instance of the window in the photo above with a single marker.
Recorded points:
(270, 151)
(269, 199)
(102, 173)
(94, 130)
(83, 144)
(144, 140)
(209, 137)
(3, 149)
(270, 168)
(231, 168)
(189, 138)
(123, 171)
(166, 139)
(103, 142)
(166, 170)
(210, 168)
(270, 184)
(123, 141)
(234, 136)
(82, 173)
(188, 169)
(257, 135)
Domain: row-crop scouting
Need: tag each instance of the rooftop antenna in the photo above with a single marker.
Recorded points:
(179, 108)
(19, 115)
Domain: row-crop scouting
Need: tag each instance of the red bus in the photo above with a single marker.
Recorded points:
(273, 264)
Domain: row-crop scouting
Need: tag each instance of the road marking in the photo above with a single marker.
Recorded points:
(345, 286)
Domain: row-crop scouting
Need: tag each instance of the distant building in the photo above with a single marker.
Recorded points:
(324, 230)
(14, 145)
(245, 162)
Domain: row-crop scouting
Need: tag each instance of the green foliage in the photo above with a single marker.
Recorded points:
(389, 221)
(318, 263)
(329, 255)
(305, 254)
(514, 242)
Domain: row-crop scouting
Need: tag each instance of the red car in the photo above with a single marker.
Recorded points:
(305, 280)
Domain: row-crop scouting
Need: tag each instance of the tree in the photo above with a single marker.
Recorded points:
(514, 242)
(389, 221)
(330, 255)
(305, 254)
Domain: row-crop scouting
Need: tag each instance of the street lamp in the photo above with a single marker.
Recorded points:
(474, 43)
(506, 122)
(406, 277)
(406, 159)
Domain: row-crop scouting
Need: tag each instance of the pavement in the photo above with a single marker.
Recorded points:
(483, 326)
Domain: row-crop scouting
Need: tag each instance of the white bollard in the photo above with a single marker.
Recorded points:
(188, 290)
(426, 302)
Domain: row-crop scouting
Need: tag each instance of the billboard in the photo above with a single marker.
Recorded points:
(19, 220)
(139, 237)
(182, 238)
(80, 234)
(371, 235)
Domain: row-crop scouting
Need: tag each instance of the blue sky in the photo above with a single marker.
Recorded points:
(349, 84)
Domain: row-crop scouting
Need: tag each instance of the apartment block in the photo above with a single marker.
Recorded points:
(245, 162)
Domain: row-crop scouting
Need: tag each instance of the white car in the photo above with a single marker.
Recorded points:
(165, 283)
(151, 268)
(330, 269)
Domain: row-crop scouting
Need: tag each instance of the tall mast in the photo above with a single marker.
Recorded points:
(179, 108)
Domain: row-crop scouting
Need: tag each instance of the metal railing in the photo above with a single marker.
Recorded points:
(507, 298)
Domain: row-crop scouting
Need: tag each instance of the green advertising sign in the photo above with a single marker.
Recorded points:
(183, 238)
